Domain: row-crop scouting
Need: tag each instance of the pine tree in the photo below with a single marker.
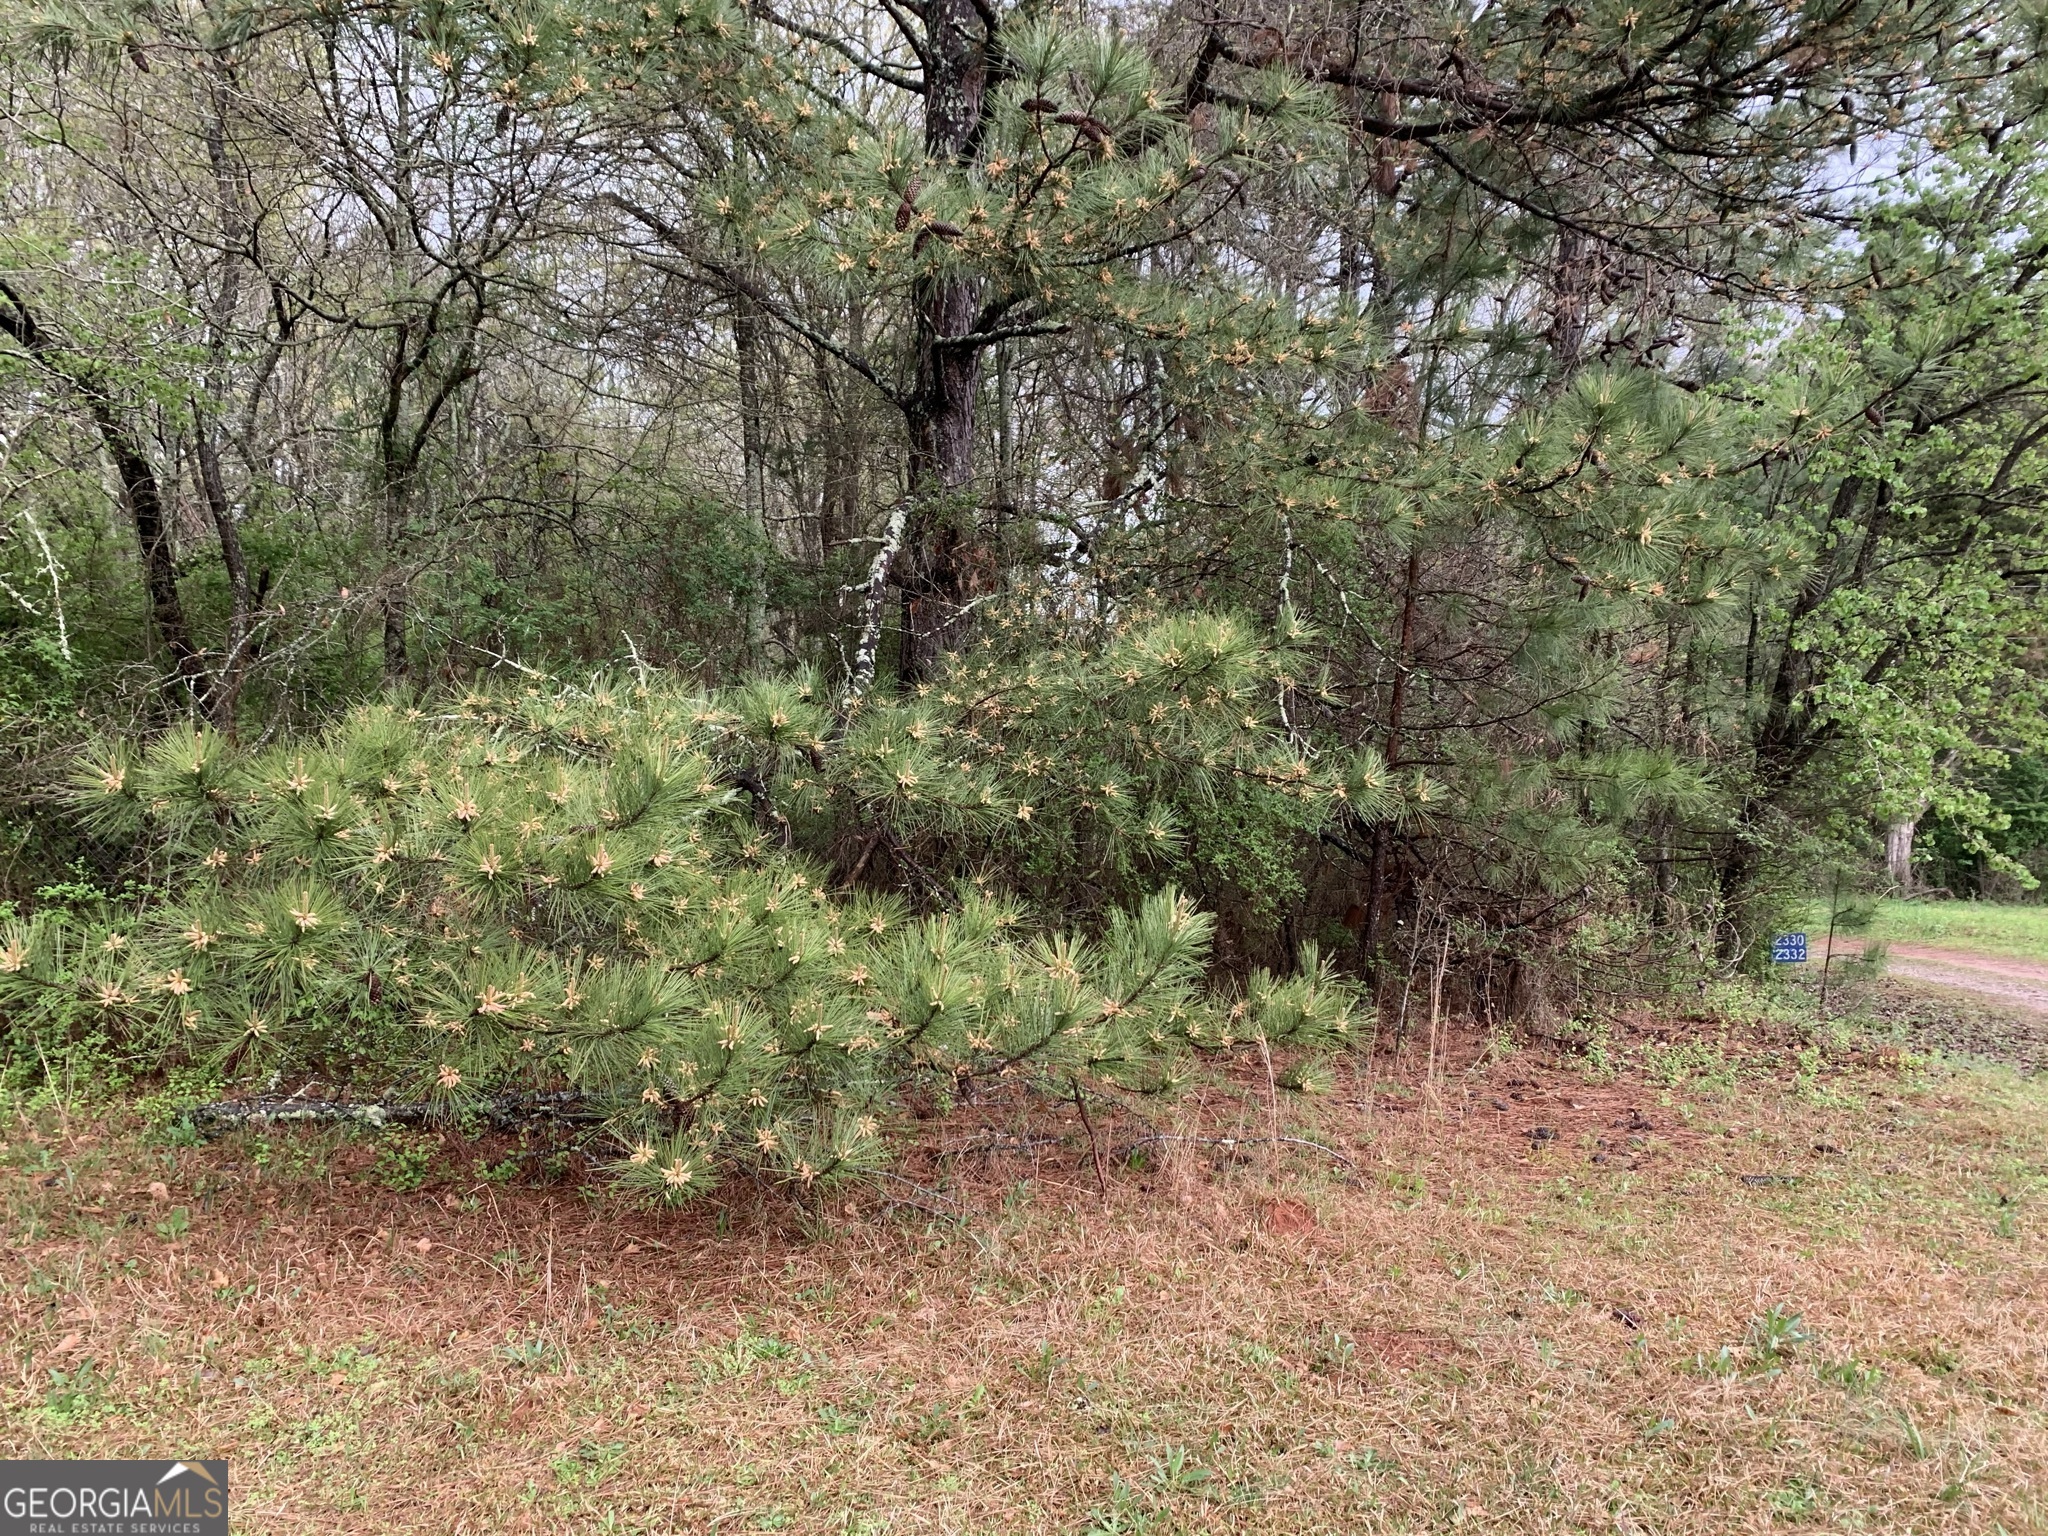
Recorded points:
(590, 889)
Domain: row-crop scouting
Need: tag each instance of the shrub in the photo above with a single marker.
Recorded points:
(593, 890)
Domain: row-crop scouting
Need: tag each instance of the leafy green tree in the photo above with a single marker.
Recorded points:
(1890, 657)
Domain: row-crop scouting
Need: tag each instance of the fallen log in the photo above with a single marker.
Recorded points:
(504, 1113)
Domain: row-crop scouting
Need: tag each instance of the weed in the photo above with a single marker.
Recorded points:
(453, 1381)
(1775, 1337)
(1408, 1189)
(1722, 1362)
(1177, 1472)
(838, 1421)
(730, 1361)
(1850, 1374)
(404, 1159)
(590, 1464)
(530, 1354)
(1038, 1370)
(176, 1223)
(502, 1172)
(1700, 1062)
(1331, 1353)
(1257, 1355)
(1806, 1080)
(629, 1323)
(1126, 1514)
(346, 1364)
(1599, 1059)
(42, 1284)
(1796, 1500)
(1957, 1487)
(75, 1396)
(1936, 1359)
(181, 1133)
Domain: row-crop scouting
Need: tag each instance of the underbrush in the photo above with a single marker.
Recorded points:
(601, 893)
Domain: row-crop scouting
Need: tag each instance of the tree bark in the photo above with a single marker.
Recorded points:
(213, 489)
(1376, 878)
(748, 342)
(1898, 852)
(940, 561)
(839, 442)
(139, 489)
(241, 601)
(153, 537)
(1006, 438)
(394, 601)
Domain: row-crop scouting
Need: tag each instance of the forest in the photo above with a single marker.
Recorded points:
(1296, 506)
(995, 767)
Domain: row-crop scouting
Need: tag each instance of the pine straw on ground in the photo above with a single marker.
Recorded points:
(1517, 1296)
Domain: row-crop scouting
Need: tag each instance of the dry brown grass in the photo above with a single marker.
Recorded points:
(1467, 1325)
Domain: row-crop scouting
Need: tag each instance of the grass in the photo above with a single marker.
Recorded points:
(1991, 928)
(1729, 1286)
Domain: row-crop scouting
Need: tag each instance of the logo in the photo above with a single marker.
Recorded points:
(113, 1498)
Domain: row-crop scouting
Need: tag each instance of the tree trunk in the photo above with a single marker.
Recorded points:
(747, 342)
(241, 603)
(938, 555)
(153, 537)
(394, 476)
(213, 490)
(1404, 659)
(1571, 279)
(1664, 872)
(839, 444)
(940, 564)
(1898, 852)
(1006, 439)
(139, 489)
(394, 599)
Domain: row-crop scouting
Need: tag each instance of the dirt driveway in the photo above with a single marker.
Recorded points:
(2001, 978)
(1987, 1006)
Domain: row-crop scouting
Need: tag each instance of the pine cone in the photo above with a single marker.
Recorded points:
(907, 209)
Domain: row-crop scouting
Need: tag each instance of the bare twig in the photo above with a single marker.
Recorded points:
(945, 1200)
(1094, 1145)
